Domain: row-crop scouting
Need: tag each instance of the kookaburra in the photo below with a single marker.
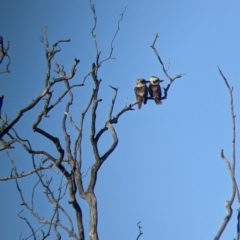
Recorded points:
(155, 89)
(141, 92)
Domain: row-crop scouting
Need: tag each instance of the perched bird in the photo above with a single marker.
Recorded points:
(1, 102)
(155, 89)
(1, 49)
(141, 92)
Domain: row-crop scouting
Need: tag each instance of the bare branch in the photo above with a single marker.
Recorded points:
(93, 114)
(231, 166)
(140, 230)
(114, 120)
(29, 225)
(60, 41)
(71, 74)
(114, 144)
(114, 37)
(93, 29)
(25, 174)
(22, 111)
(8, 57)
(50, 222)
(37, 152)
(159, 58)
(66, 136)
(113, 101)
(118, 28)
(71, 121)
(41, 95)
(56, 203)
(233, 122)
(78, 149)
(125, 109)
(98, 53)
(225, 80)
(228, 204)
(78, 141)
(171, 79)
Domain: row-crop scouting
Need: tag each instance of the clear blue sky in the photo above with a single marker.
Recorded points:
(166, 170)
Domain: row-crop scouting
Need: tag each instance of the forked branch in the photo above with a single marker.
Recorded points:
(171, 79)
(8, 57)
(140, 230)
(98, 53)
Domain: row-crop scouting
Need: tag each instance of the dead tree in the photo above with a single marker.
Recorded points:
(64, 164)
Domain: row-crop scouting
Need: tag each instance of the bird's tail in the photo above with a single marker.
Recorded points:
(139, 105)
(158, 101)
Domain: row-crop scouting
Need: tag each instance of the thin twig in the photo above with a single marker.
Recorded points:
(93, 30)
(114, 37)
(140, 230)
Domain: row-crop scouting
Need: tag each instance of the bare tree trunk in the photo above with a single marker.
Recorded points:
(92, 201)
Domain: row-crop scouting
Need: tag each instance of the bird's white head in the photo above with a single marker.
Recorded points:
(154, 80)
(140, 82)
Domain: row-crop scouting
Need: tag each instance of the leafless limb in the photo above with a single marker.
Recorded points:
(93, 29)
(41, 95)
(118, 29)
(55, 201)
(171, 79)
(46, 95)
(8, 57)
(114, 119)
(52, 200)
(98, 53)
(41, 220)
(71, 180)
(114, 37)
(57, 233)
(114, 144)
(29, 225)
(113, 101)
(66, 135)
(140, 230)
(25, 174)
(48, 84)
(230, 166)
(78, 141)
(71, 121)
